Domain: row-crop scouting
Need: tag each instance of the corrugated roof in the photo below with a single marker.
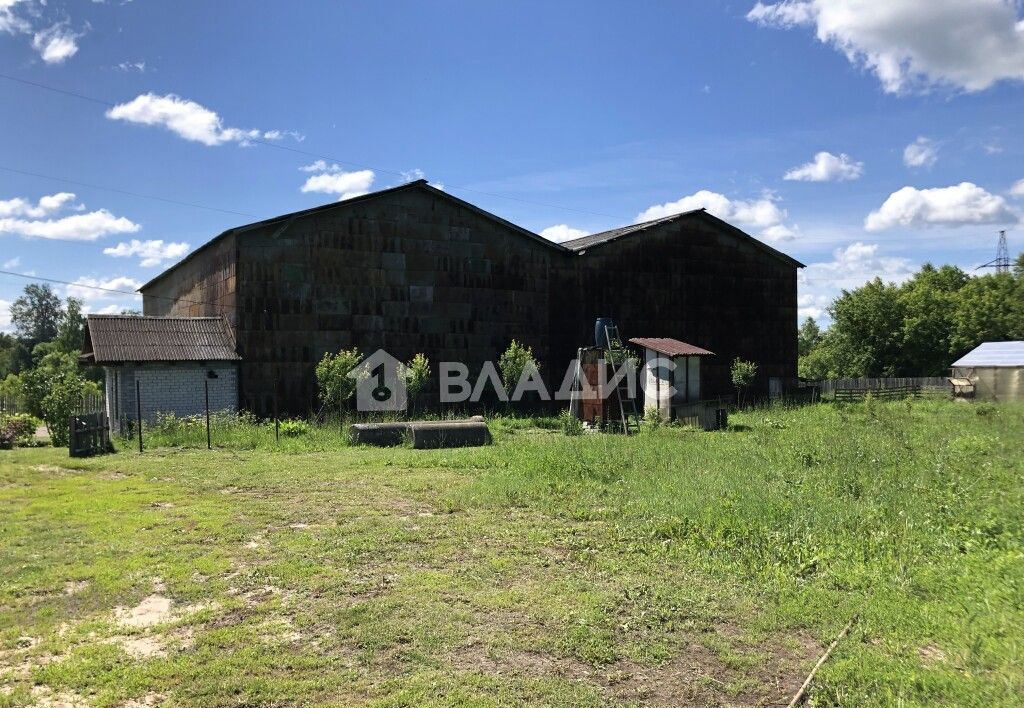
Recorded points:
(116, 338)
(993, 354)
(670, 347)
(581, 244)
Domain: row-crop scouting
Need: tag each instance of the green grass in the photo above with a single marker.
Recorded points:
(676, 567)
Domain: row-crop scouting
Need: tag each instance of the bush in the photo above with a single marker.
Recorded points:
(571, 425)
(20, 428)
(294, 428)
(514, 362)
(332, 377)
(416, 373)
(742, 374)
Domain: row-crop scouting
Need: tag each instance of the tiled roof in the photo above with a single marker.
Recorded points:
(117, 338)
(670, 347)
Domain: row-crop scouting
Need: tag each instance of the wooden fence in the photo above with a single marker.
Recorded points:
(93, 403)
(923, 383)
(891, 393)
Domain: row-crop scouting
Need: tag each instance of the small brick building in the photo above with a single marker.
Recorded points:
(169, 362)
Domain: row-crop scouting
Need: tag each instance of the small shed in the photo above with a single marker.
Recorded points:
(659, 380)
(170, 363)
(995, 369)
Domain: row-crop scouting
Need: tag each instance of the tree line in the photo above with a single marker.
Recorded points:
(39, 362)
(915, 328)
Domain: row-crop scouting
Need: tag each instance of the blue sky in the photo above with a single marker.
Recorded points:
(862, 137)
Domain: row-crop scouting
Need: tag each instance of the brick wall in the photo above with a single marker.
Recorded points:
(170, 388)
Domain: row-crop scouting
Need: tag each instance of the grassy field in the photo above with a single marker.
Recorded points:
(673, 568)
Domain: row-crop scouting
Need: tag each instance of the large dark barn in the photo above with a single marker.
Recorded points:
(414, 269)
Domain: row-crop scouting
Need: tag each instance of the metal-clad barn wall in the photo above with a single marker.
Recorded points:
(203, 285)
(691, 279)
(407, 272)
(411, 269)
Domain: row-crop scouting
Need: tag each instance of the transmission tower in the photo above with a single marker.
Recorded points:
(1002, 260)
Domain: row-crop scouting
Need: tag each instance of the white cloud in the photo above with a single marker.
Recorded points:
(826, 167)
(56, 44)
(563, 232)
(961, 204)
(45, 205)
(11, 22)
(923, 152)
(187, 119)
(151, 253)
(820, 283)
(12, 264)
(139, 66)
(763, 215)
(413, 174)
(334, 180)
(1017, 190)
(20, 217)
(5, 305)
(91, 289)
(907, 44)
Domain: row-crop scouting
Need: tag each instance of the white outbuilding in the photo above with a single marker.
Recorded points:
(995, 370)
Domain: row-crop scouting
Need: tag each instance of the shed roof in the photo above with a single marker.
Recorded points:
(670, 347)
(119, 338)
(993, 354)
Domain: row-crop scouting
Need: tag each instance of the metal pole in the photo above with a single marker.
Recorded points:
(138, 410)
(206, 387)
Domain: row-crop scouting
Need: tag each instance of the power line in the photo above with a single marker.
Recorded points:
(130, 293)
(307, 153)
(139, 195)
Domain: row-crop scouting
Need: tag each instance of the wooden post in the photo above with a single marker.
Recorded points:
(277, 418)
(206, 388)
(138, 410)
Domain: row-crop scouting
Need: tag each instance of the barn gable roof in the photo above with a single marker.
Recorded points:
(421, 184)
(119, 338)
(585, 243)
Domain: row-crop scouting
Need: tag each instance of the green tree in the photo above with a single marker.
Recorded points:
(514, 362)
(53, 391)
(742, 373)
(808, 336)
(989, 309)
(332, 376)
(928, 301)
(36, 314)
(415, 373)
(71, 330)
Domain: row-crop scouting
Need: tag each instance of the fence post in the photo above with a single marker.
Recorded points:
(206, 389)
(138, 410)
(277, 419)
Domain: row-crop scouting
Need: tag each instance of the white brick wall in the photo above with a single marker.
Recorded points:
(170, 388)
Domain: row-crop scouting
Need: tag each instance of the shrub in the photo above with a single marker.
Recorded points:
(742, 374)
(652, 418)
(20, 427)
(416, 373)
(571, 425)
(294, 428)
(514, 362)
(332, 377)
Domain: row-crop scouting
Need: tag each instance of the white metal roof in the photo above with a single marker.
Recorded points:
(993, 354)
